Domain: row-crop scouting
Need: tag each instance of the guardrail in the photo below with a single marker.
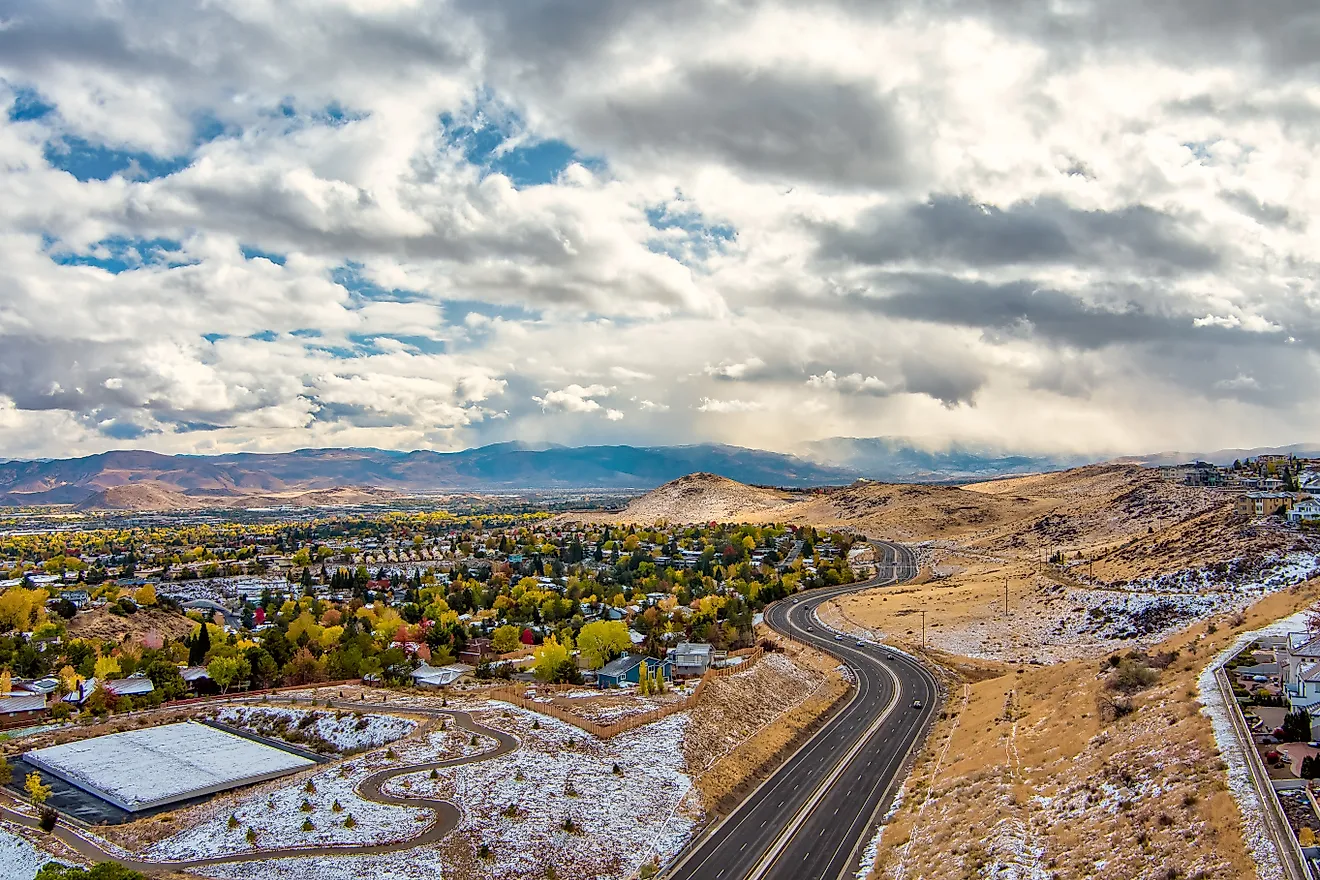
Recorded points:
(1276, 822)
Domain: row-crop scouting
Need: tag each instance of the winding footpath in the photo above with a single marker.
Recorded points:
(447, 815)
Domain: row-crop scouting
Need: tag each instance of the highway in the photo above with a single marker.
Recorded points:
(811, 819)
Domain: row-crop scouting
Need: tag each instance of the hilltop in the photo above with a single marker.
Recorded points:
(702, 497)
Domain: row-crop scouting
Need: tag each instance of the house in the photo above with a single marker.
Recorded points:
(477, 651)
(197, 679)
(1298, 659)
(80, 598)
(691, 659)
(428, 676)
(1263, 503)
(21, 710)
(1305, 511)
(130, 687)
(1304, 692)
(628, 668)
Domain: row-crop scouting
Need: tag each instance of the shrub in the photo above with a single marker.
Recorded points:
(1133, 675)
(336, 807)
(307, 825)
(349, 821)
(251, 835)
(306, 806)
(233, 822)
(484, 852)
(310, 787)
(48, 819)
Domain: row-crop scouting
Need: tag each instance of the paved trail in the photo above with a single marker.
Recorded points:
(370, 789)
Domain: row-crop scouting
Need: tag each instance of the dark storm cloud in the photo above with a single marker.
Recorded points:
(948, 229)
(789, 125)
(1023, 310)
(1265, 213)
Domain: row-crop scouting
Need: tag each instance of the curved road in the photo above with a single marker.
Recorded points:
(812, 817)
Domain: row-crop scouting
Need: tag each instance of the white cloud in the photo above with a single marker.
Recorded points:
(711, 405)
(576, 399)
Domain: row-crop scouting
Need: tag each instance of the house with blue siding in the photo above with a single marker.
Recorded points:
(628, 668)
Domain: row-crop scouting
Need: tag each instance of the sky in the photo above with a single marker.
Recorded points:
(1039, 226)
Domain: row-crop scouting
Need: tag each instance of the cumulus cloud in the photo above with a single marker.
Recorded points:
(445, 224)
(577, 399)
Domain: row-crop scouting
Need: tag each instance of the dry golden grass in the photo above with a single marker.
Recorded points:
(1022, 769)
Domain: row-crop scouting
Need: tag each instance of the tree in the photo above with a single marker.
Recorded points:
(506, 639)
(1297, 726)
(602, 641)
(547, 658)
(6, 682)
(166, 679)
(37, 791)
(145, 596)
(199, 645)
(6, 772)
(225, 671)
(106, 668)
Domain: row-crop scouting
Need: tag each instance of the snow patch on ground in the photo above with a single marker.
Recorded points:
(19, 859)
(518, 805)
(1254, 832)
(1074, 623)
(344, 731)
(422, 863)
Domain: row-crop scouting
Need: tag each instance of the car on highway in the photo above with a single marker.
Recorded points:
(861, 644)
(811, 629)
(916, 704)
(839, 637)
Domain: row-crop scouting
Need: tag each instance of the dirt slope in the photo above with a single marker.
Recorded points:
(702, 498)
(101, 624)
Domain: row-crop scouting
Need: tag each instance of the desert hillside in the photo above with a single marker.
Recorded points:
(697, 498)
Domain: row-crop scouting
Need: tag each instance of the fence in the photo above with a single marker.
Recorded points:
(515, 696)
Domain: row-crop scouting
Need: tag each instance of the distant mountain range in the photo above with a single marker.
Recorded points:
(264, 477)
(1222, 456)
(130, 479)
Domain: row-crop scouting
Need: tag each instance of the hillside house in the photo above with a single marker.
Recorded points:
(1305, 511)
(1263, 503)
(1299, 669)
(691, 659)
(627, 670)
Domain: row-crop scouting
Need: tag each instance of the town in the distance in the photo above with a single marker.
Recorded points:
(700, 680)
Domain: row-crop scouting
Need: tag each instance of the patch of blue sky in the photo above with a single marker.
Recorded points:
(213, 338)
(374, 343)
(351, 277)
(695, 239)
(119, 254)
(29, 106)
(88, 161)
(501, 147)
(254, 253)
(306, 333)
(264, 336)
(456, 310)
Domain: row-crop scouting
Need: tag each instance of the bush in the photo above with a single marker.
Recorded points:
(307, 825)
(251, 835)
(1133, 675)
(48, 819)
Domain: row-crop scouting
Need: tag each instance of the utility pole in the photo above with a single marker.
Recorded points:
(1005, 595)
(923, 629)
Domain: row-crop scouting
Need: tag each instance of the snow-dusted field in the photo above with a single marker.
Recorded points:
(19, 860)
(276, 813)
(1092, 622)
(278, 817)
(422, 863)
(344, 731)
(518, 805)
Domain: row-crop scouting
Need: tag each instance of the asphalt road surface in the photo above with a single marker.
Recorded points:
(814, 816)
